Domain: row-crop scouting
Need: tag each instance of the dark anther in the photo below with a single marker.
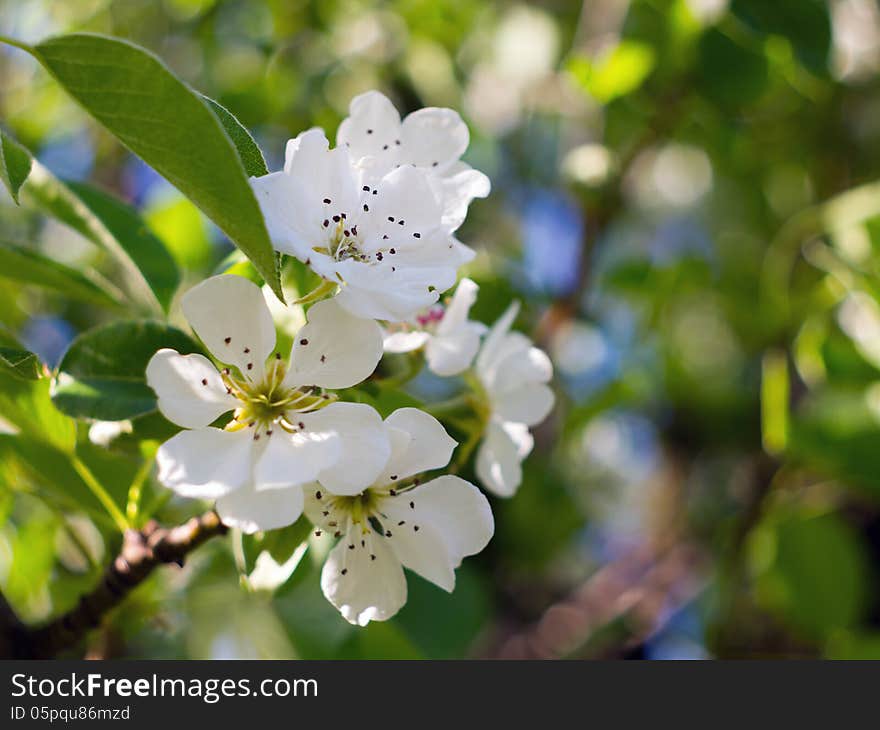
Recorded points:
(379, 256)
(327, 201)
(402, 522)
(415, 528)
(344, 571)
(228, 340)
(387, 533)
(301, 425)
(336, 219)
(347, 233)
(204, 381)
(400, 222)
(372, 557)
(417, 235)
(323, 358)
(397, 141)
(366, 188)
(351, 547)
(434, 164)
(412, 505)
(392, 492)
(317, 533)
(317, 495)
(326, 223)
(391, 250)
(369, 131)
(393, 477)
(366, 208)
(250, 366)
(384, 146)
(247, 350)
(304, 341)
(391, 219)
(337, 534)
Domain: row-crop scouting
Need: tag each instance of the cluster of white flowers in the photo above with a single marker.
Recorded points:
(376, 219)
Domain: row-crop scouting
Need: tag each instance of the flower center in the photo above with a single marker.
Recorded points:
(268, 403)
(362, 515)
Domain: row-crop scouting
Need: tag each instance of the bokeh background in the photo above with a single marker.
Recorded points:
(686, 200)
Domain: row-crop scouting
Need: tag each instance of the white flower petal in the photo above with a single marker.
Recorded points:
(370, 588)
(420, 548)
(405, 341)
(190, 390)
(230, 315)
(206, 463)
(294, 459)
(495, 338)
(433, 137)
(250, 510)
(378, 292)
(335, 349)
(453, 352)
(499, 459)
(456, 512)
(459, 307)
(429, 447)
(373, 122)
(365, 446)
(519, 364)
(408, 198)
(529, 404)
(458, 190)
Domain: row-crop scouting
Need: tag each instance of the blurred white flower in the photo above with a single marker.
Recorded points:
(381, 237)
(450, 339)
(285, 430)
(103, 433)
(395, 522)
(514, 375)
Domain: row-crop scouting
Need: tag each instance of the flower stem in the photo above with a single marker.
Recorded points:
(98, 490)
(132, 507)
(448, 406)
(322, 291)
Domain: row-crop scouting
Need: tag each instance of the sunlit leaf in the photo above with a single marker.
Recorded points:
(171, 127)
(102, 373)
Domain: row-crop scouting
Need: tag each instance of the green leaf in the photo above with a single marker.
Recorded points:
(102, 374)
(134, 95)
(123, 236)
(812, 569)
(20, 363)
(805, 23)
(29, 267)
(248, 152)
(15, 164)
(729, 73)
(618, 73)
(147, 252)
(26, 405)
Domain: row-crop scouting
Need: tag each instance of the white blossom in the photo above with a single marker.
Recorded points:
(381, 238)
(286, 429)
(514, 375)
(396, 522)
(449, 338)
(432, 139)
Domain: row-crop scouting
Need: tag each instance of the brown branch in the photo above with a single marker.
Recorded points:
(637, 590)
(142, 552)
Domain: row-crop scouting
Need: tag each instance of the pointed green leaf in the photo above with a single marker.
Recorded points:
(250, 154)
(29, 267)
(20, 363)
(147, 252)
(15, 164)
(171, 127)
(102, 374)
